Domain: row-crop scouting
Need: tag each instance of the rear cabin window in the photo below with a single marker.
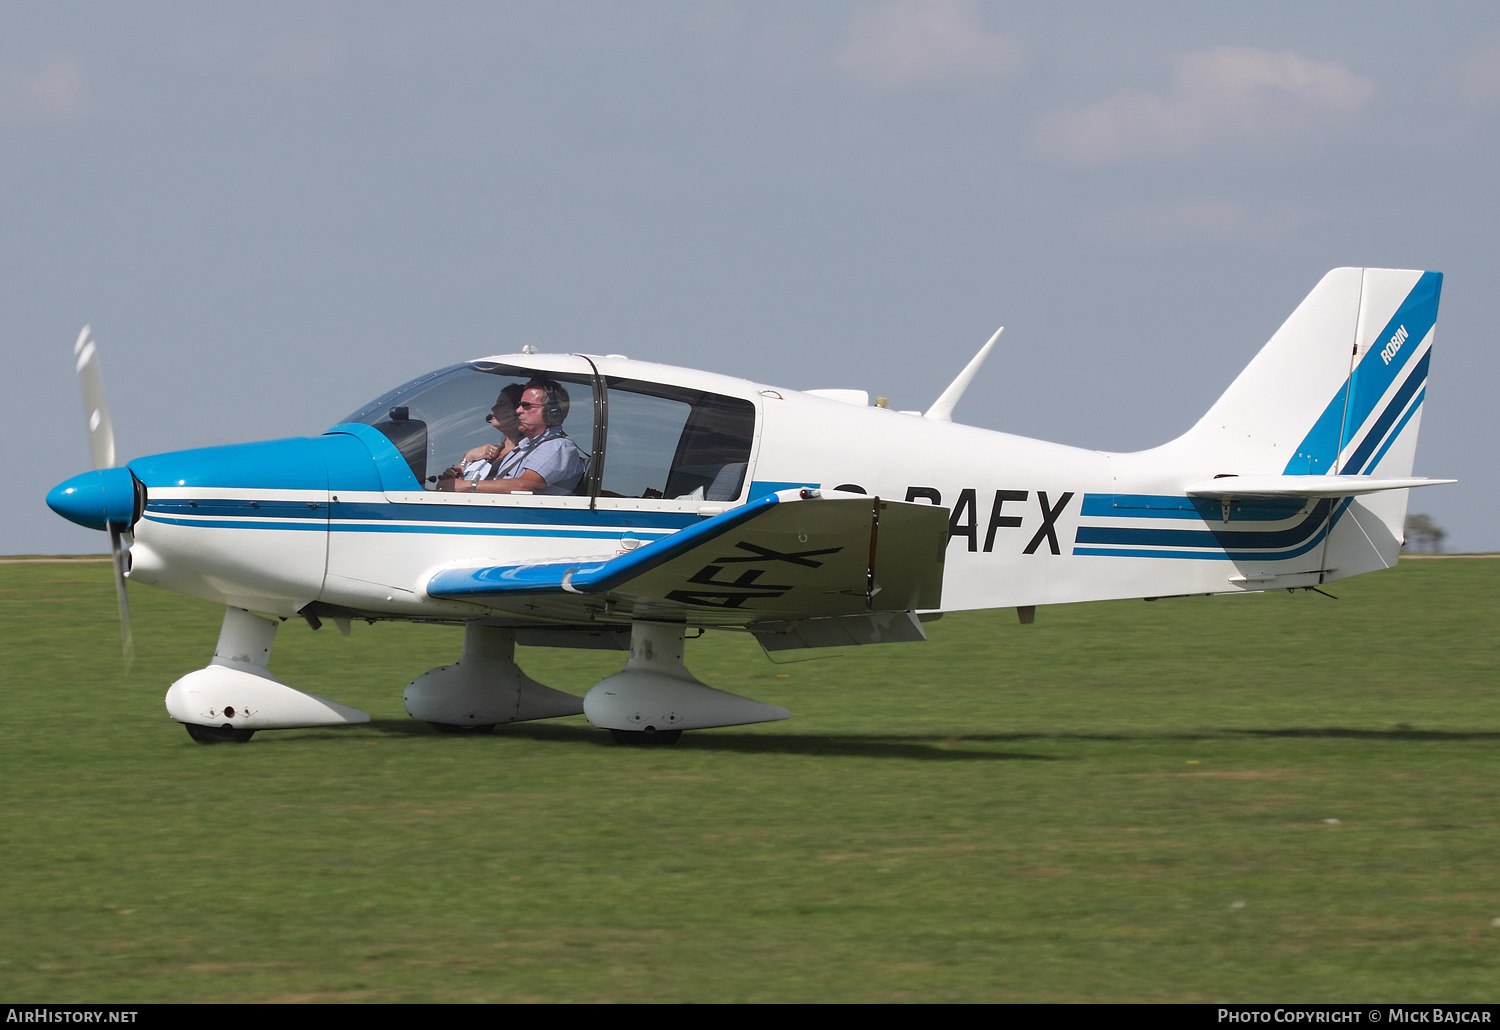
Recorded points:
(677, 444)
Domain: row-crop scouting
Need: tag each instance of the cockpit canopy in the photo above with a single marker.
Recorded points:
(639, 439)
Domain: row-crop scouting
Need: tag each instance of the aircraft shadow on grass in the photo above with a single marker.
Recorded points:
(1398, 733)
(921, 746)
(927, 747)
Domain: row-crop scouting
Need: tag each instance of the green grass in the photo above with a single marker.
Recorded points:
(1123, 801)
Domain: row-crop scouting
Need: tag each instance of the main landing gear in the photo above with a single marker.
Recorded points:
(484, 688)
(448, 729)
(648, 704)
(646, 738)
(225, 734)
(655, 698)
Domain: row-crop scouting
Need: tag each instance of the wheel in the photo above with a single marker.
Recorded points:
(225, 734)
(448, 727)
(649, 737)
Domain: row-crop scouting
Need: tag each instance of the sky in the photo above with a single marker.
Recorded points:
(271, 213)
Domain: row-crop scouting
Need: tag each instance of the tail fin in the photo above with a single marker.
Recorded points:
(1337, 391)
(1334, 388)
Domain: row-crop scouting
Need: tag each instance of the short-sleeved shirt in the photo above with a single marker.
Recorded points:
(552, 456)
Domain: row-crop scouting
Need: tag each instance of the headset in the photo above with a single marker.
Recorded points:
(555, 407)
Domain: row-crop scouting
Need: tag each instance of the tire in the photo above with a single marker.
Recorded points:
(646, 738)
(225, 734)
(446, 728)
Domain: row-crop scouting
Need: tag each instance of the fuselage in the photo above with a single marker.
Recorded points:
(344, 521)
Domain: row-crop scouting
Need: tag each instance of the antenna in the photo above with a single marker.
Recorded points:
(942, 408)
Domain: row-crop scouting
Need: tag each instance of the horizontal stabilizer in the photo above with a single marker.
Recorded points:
(790, 554)
(1304, 486)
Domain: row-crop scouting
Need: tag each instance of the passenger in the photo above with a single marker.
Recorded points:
(545, 461)
(483, 462)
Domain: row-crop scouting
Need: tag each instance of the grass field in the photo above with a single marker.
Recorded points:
(1272, 797)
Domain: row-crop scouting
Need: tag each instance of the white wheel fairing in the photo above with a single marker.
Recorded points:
(219, 696)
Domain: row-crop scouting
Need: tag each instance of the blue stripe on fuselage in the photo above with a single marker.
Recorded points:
(397, 511)
(1343, 506)
(247, 508)
(396, 517)
(1208, 537)
(380, 511)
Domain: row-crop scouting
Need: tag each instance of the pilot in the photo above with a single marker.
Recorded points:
(545, 461)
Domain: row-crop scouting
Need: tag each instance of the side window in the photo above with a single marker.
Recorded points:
(644, 431)
(675, 444)
(714, 452)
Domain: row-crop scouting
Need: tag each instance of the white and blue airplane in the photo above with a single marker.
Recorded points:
(577, 500)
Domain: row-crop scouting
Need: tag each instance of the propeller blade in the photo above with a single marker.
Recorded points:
(102, 451)
(118, 551)
(101, 433)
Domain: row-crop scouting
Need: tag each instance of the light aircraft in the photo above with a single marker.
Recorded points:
(681, 499)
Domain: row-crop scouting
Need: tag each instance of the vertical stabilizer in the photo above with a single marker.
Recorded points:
(1326, 394)
(1337, 391)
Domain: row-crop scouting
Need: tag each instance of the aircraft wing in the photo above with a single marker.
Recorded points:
(1229, 487)
(796, 554)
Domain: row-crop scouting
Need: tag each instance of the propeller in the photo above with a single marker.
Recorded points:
(102, 451)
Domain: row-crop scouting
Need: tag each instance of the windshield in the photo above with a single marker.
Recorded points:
(437, 419)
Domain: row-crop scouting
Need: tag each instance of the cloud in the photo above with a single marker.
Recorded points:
(57, 92)
(1476, 78)
(1228, 98)
(1196, 220)
(913, 43)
